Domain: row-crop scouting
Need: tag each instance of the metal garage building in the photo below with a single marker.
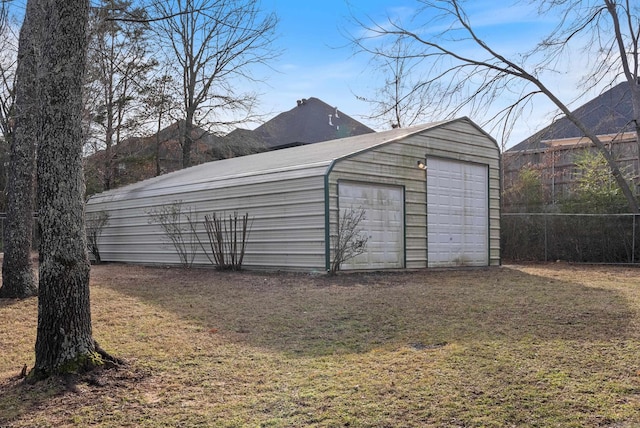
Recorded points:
(444, 215)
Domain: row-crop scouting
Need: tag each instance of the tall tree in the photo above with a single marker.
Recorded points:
(160, 102)
(212, 43)
(8, 58)
(18, 277)
(64, 340)
(119, 60)
(401, 100)
(465, 71)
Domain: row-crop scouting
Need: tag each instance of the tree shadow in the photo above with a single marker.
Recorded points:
(301, 316)
(307, 315)
(58, 397)
(6, 302)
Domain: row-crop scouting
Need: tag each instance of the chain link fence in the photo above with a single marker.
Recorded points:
(582, 238)
(528, 237)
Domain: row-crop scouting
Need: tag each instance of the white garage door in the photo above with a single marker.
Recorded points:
(457, 213)
(383, 223)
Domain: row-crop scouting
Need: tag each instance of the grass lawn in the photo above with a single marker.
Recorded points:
(525, 346)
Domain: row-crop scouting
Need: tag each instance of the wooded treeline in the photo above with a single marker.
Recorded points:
(173, 65)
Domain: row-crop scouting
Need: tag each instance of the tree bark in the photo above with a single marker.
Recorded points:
(628, 53)
(64, 340)
(463, 78)
(18, 277)
(187, 141)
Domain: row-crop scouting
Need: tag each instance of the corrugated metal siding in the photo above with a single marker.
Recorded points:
(284, 192)
(395, 164)
(287, 229)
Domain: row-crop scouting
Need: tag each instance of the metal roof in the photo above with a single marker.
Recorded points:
(311, 157)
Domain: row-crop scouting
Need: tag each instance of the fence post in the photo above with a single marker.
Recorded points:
(633, 240)
(546, 243)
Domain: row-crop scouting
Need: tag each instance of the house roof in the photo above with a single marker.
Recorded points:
(311, 121)
(314, 157)
(168, 136)
(241, 135)
(305, 124)
(609, 113)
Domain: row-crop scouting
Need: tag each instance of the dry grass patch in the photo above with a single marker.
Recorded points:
(550, 345)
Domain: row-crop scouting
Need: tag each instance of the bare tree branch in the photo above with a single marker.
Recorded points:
(465, 73)
(214, 44)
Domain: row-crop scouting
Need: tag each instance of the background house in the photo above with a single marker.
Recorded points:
(445, 215)
(554, 150)
(310, 121)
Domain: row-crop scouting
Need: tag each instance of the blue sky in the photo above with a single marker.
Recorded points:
(318, 62)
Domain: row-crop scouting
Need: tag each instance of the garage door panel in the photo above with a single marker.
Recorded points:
(457, 213)
(383, 223)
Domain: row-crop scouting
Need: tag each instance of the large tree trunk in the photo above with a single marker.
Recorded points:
(18, 278)
(64, 339)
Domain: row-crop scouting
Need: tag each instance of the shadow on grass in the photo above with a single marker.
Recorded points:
(34, 404)
(303, 316)
(17, 398)
(308, 315)
(9, 302)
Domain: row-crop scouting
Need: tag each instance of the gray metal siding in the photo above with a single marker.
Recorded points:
(287, 228)
(391, 165)
(395, 164)
(284, 192)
